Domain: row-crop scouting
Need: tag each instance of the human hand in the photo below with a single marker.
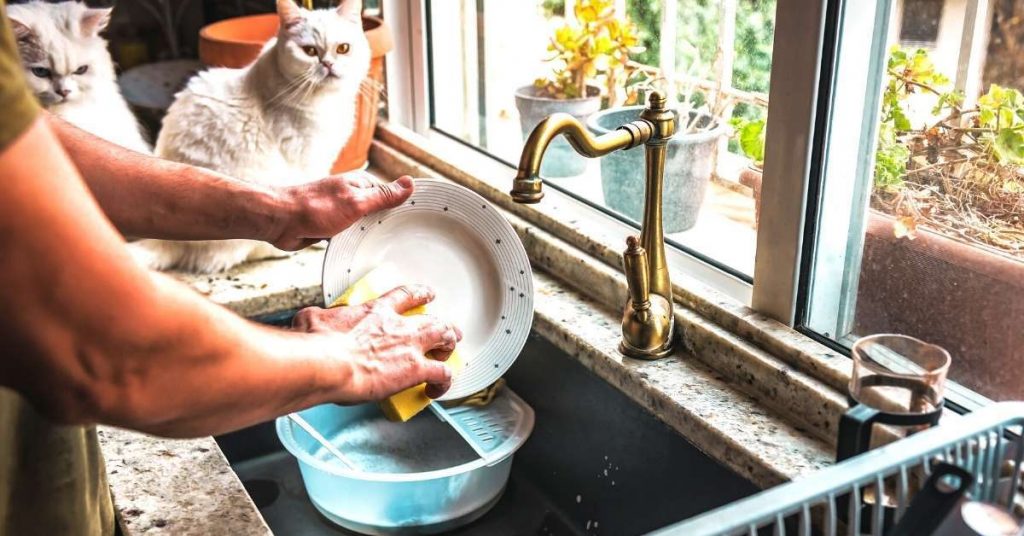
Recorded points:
(322, 209)
(384, 351)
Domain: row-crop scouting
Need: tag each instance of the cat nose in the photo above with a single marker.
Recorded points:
(63, 92)
(327, 64)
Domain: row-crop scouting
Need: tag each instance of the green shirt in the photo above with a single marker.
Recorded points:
(20, 109)
(52, 478)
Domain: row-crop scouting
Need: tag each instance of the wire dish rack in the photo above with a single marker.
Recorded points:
(986, 443)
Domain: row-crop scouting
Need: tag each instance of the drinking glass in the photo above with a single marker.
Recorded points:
(898, 374)
(899, 381)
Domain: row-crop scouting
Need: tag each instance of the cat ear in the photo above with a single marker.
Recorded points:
(351, 10)
(95, 20)
(21, 31)
(289, 12)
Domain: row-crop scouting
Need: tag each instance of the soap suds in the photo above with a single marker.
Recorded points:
(377, 445)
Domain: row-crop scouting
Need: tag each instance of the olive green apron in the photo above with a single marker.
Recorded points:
(52, 478)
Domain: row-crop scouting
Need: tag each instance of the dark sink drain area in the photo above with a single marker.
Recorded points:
(596, 463)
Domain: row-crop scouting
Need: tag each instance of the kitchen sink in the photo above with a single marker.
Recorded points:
(596, 463)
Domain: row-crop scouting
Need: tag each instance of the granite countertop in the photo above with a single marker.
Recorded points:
(165, 486)
(186, 487)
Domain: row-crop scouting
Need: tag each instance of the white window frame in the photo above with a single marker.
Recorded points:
(849, 142)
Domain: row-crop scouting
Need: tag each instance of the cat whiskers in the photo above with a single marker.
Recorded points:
(309, 88)
(292, 88)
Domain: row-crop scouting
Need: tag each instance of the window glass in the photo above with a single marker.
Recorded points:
(928, 143)
(919, 24)
(499, 67)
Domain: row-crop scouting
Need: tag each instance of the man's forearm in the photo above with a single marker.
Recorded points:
(148, 197)
(198, 369)
(92, 337)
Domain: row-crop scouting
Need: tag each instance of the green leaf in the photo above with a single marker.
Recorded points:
(1009, 147)
(900, 119)
(952, 100)
(1001, 107)
(891, 159)
(751, 138)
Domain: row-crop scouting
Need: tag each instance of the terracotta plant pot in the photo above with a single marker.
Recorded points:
(750, 177)
(237, 42)
(962, 297)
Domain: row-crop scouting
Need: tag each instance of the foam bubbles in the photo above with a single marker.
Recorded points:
(376, 445)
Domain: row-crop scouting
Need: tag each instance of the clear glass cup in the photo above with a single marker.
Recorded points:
(898, 374)
(899, 382)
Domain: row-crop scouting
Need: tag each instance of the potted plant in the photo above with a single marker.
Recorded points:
(750, 135)
(599, 44)
(689, 162)
(236, 42)
(945, 228)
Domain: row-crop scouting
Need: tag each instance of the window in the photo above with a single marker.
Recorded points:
(930, 150)
(893, 192)
(486, 56)
(919, 24)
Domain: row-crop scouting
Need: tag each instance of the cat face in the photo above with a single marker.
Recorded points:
(60, 48)
(323, 49)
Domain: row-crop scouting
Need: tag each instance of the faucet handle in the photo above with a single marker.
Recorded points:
(647, 320)
(637, 270)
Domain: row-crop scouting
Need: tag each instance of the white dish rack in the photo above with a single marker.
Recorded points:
(987, 443)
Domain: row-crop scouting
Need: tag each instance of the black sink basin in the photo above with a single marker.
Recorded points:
(596, 464)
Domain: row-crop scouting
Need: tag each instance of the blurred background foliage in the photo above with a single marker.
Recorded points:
(697, 29)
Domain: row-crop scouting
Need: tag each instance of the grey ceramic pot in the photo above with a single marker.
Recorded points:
(688, 168)
(560, 160)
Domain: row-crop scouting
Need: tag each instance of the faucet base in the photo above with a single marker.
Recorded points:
(647, 355)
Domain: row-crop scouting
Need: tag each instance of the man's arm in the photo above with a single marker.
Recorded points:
(148, 197)
(90, 337)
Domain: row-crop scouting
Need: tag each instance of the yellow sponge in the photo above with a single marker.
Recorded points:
(408, 403)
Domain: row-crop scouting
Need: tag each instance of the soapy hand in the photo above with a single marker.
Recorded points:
(322, 209)
(385, 351)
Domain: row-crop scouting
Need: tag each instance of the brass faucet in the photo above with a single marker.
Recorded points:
(647, 325)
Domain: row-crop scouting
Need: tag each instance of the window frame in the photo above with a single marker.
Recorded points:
(798, 121)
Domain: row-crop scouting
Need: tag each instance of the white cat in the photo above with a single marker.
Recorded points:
(280, 121)
(68, 67)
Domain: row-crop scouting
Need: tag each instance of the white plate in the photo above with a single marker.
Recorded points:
(452, 240)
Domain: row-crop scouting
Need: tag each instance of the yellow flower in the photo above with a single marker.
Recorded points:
(600, 44)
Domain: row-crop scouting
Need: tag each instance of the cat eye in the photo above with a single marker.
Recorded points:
(82, 70)
(310, 51)
(41, 72)
(343, 48)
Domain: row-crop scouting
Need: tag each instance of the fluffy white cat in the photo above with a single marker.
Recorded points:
(280, 121)
(68, 67)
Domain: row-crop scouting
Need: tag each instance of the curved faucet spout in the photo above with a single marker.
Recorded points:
(526, 188)
(647, 323)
